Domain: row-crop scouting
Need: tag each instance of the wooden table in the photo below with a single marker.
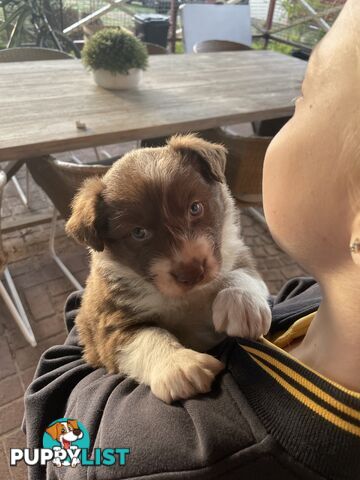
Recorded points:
(40, 102)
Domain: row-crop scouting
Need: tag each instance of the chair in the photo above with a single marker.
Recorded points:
(154, 49)
(219, 46)
(60, 180)
(12, 300)
(202, 22)
(244, 167)
(29, 54)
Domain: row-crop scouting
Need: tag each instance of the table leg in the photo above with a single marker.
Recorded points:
(12, 168)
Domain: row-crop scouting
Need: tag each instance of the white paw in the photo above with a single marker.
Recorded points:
(241, 313)
(186, 374)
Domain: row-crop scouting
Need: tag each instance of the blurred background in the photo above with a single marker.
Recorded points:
(284, 25)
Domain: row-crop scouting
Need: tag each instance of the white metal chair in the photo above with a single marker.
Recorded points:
(12, 299)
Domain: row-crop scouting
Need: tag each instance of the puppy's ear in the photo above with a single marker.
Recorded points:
(53, 431)
(87, 219)
(212, 156)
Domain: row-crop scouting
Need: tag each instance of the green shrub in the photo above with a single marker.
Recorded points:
(115, 50)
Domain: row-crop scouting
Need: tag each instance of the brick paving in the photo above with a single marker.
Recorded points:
(43, 289)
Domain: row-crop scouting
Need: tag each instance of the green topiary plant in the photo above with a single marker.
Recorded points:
(115, 50)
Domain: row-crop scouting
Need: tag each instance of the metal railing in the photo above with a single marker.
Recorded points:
(301, 25)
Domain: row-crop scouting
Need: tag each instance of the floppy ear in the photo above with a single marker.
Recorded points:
(212, 156)
(87, 218)
(53, 431)
(74, 424)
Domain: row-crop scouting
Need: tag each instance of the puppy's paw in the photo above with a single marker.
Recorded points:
(186, 374)
(240, 313)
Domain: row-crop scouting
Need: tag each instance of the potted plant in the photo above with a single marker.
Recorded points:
(116, 57)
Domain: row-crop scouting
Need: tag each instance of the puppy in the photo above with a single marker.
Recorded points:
(170, 274)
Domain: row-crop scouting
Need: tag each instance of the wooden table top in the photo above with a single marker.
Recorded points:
(40, 102)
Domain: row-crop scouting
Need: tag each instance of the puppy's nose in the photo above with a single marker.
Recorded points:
(77, 431)
(189, 274)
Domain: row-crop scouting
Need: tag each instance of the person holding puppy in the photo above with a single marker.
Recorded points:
(286, 407)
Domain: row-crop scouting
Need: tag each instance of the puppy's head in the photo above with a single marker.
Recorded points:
(158, 211)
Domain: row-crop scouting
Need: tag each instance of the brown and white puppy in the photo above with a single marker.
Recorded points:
(170, 274)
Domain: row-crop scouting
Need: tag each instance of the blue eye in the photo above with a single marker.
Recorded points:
(140, 234)
(196, 209)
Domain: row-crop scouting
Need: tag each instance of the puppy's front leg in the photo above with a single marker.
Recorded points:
(156, 358)
(240, 308)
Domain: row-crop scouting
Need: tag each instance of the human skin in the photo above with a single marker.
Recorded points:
(310, 205)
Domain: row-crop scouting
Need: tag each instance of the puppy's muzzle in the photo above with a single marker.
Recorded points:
(189, 274)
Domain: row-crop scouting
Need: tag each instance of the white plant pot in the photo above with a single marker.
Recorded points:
(118, 81)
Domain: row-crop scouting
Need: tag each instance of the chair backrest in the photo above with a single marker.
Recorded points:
(31, 54)
(244, 166)
(219, 46)
(155, 49)
(61, 180)
(223, 22)
(244, 163)
(2, 253)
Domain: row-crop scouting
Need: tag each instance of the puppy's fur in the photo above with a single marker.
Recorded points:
(152, 304)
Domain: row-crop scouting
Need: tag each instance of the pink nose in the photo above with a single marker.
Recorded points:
(189, 274)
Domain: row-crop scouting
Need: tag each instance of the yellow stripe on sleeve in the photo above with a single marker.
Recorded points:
(305, 383)
(329, 416)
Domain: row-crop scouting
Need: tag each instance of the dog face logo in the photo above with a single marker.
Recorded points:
(65, 432)
(66, 436)
(66, 443)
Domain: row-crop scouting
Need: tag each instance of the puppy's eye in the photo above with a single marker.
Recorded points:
(140, 234)
(63, 430)
(196, 209)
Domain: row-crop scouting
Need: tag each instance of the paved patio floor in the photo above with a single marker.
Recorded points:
(43, 289)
